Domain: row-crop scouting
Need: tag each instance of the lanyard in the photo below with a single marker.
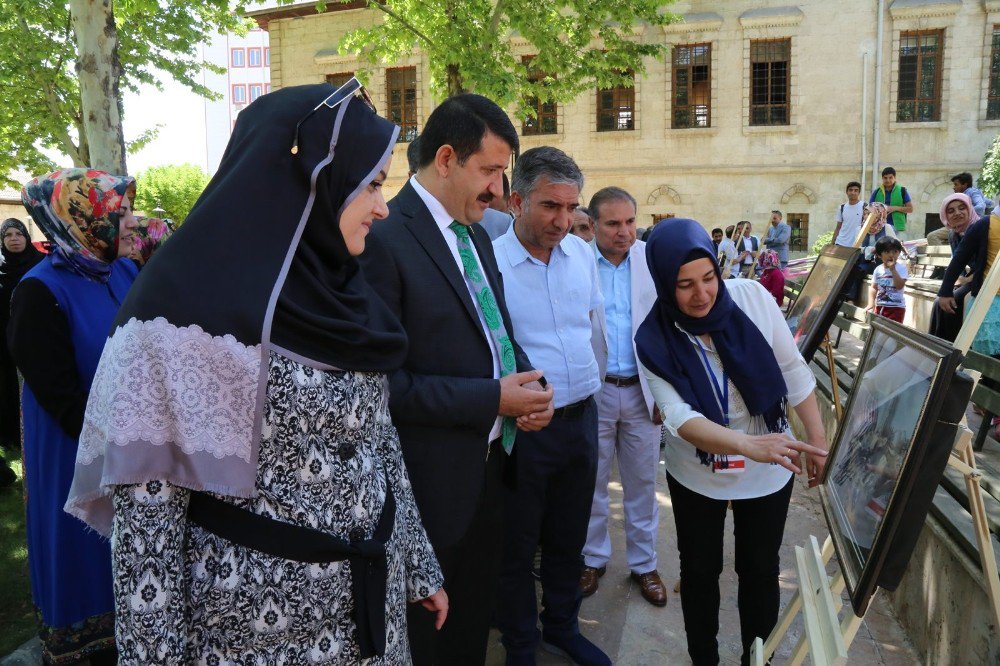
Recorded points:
(721, 393)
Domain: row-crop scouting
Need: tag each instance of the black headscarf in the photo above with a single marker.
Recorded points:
(667, 351)
(242, 265)
(260, 266)
(16, 264)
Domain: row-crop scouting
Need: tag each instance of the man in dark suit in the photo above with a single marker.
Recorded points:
(466, 386)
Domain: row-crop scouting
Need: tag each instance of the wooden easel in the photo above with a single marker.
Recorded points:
(826, 638)
(828, 345)
(727, 270)
(834, 385)
(963, 458)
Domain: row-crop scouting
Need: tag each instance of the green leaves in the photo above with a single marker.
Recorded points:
(175, 189)
(989, 180)
(42, 115)
(580, 44)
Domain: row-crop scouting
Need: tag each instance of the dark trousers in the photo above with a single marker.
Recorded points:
(10, 402)
(759, 525)
(548, 506)
(945, 325)
(470, 568)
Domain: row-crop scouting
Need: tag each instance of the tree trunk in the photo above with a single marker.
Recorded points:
(99, 71)
(456, 86)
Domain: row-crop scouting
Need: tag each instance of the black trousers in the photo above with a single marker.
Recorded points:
(10, 402)
(759, 526)
(944, 325)
(548, 506)
(470, 568)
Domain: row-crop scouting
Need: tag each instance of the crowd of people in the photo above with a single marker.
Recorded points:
(350, 436)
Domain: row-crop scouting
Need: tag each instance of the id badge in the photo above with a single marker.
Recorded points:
(729, 464)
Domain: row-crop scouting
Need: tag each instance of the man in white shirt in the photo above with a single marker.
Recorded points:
(729, 257)
(747, 247)
(551, 285)
(628, 422)
(849, 216)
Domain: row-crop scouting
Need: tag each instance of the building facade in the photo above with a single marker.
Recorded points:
(757, 105)
(248, 76)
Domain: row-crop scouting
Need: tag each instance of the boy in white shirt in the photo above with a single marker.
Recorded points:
(888, 280)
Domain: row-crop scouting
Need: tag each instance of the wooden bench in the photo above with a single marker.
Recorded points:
(931, 261)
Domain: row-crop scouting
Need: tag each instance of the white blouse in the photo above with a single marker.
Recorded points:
(756, 479)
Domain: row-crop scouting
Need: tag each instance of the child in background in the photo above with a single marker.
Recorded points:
(888, 280)
(771, 276)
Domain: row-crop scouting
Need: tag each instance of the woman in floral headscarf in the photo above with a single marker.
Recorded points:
(150, 234)
(771, 276)
(61, 313)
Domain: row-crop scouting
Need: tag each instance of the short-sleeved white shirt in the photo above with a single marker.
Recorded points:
(887, 295)
(849, 218)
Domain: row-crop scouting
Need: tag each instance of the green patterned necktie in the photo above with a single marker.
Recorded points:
(491, 313)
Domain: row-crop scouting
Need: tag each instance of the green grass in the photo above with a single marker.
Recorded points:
(17, 613)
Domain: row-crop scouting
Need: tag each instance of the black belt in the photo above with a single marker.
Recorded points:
(570, 411)
(621, 382)
(304, 544)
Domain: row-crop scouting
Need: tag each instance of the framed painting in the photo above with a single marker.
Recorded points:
(812, 313)
(890, 452)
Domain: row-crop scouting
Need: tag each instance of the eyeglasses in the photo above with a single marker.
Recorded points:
(344, 92)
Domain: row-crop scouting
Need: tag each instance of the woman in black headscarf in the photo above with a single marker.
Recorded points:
(237, 443)
(19, 256)
(723, 369)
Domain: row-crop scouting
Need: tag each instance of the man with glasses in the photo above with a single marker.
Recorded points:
(466, 386)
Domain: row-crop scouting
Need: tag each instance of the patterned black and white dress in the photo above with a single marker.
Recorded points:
(328, 449)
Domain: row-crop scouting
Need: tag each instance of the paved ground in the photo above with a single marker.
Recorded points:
(634, 633)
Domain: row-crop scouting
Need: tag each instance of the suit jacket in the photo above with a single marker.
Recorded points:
(444, 399)
(643, 297)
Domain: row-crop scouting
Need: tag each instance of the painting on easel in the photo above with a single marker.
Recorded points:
(812, 313)
(890, 452)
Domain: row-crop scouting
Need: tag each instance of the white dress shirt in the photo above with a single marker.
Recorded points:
(681, 459)
(443, 221)
(550, 306)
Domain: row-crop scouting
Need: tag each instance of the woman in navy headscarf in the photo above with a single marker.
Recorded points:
(722, 367)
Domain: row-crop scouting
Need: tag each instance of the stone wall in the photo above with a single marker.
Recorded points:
(731, 170)
(942, 603)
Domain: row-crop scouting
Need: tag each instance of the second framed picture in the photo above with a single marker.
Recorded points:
(812, 313)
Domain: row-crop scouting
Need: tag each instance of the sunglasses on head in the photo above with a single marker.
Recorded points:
(344, 92)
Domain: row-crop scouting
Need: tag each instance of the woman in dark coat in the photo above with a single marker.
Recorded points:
(19, 256)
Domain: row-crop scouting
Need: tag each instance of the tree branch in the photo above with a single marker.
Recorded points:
(406, 24)
(61, 135)
(495, 19)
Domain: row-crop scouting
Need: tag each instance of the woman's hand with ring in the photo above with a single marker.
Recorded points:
(779, 449)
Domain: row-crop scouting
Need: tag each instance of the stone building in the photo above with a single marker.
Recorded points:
(757, 105)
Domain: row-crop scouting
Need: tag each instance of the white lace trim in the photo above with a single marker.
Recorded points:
(161, 384)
